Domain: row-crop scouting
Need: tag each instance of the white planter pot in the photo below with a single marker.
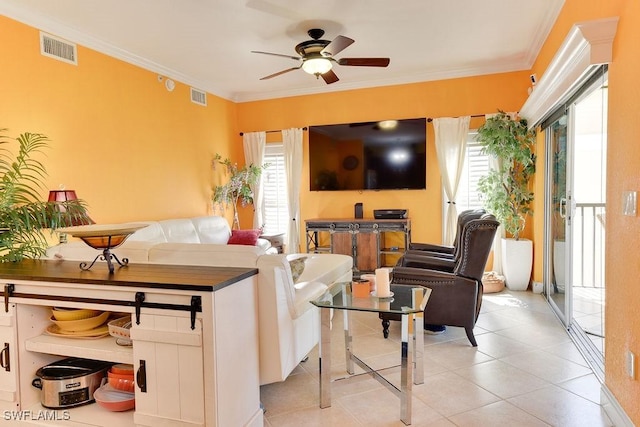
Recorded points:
(517, 262)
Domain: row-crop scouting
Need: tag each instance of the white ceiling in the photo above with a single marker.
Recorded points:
(207, 44)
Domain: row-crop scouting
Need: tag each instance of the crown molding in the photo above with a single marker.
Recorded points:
(588, 45)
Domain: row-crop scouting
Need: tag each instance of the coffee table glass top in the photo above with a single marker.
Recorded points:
(400, 302)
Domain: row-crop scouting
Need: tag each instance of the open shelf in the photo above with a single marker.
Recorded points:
(98, 349)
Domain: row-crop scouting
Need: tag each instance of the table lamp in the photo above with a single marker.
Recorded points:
(61, 196)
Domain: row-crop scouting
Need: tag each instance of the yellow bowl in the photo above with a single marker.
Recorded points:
(82, 324)
(73, 313)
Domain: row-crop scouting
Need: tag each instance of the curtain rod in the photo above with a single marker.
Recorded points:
(272, 131)
(429, 119)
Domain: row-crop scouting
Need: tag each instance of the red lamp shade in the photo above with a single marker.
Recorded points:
(65, 196)
(62, 195)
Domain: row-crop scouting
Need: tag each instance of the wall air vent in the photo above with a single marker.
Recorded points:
(198, 97)
(59, 49)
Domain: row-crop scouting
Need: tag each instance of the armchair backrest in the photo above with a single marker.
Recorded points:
(463, 218)
(475, 246)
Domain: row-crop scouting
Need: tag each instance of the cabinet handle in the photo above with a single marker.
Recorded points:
(8, 290)
(141, 376)
(5, 361)
(139, 300)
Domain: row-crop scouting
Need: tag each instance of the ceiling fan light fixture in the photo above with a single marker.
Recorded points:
(316, 66)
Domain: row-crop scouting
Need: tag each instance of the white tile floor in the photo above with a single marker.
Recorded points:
(524, 372)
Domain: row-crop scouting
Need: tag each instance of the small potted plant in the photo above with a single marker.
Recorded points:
(23, 216)
(506, 190)
(238, 188)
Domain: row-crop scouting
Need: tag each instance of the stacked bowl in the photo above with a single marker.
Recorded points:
(78, 323)
(117, 392)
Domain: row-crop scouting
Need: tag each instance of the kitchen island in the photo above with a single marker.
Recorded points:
(194, 341)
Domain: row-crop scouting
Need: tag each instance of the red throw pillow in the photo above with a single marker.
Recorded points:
(244, 237)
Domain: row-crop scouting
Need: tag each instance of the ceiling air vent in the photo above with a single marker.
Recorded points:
(59, 49)
(198, 97)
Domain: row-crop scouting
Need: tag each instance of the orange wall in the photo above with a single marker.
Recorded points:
(622, 318)
(455, 97)
(131, 149)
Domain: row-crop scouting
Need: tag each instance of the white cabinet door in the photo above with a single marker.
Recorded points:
(168, 362)
(8, 358)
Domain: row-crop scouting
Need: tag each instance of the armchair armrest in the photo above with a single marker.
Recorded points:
(412, 259)
(432, 248)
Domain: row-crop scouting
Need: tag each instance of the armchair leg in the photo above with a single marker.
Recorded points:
(472, 338)
(385, 328)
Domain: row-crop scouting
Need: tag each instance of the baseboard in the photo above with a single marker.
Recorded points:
(613, 409)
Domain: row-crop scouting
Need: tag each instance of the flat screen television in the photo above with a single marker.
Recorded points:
(383, 155)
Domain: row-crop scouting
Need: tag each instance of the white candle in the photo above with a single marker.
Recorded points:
(383, 289)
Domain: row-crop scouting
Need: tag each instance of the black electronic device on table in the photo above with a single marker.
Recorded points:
(390, 213)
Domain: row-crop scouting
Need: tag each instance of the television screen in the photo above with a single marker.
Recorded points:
(383, 155)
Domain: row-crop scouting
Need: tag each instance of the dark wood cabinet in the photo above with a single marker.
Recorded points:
(372, 243)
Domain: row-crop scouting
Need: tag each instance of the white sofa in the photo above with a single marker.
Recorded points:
(288, 322)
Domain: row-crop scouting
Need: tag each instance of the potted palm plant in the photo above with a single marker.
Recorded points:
(238, 188)
(24, 217)
(506, 190)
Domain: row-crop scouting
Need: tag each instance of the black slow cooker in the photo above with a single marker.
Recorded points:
(69, 382)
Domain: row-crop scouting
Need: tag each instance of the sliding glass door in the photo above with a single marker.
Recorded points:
(558, 270)
(575, 194)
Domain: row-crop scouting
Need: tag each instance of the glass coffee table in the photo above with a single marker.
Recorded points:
(407, 301)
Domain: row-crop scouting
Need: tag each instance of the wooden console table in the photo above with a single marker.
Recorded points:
(372, 243)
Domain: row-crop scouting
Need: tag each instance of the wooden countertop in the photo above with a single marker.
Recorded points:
(187, 277)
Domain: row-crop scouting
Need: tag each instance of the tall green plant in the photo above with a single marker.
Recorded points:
(506, 190)
(23, 216)
(238, 189)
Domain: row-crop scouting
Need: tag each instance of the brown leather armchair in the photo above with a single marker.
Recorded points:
(457, 295)
(439, 257)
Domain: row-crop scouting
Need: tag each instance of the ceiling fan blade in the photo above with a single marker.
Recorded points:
(364, 62)
(329, 77)
(279, 73)
(336, 46)
(297, 58)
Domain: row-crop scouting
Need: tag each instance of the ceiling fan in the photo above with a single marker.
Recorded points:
(317, 57)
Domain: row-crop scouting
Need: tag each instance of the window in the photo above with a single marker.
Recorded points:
(476, 165)
(275, 207)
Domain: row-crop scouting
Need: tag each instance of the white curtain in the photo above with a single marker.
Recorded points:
(451, 145)
(254, 145)
(292, 141)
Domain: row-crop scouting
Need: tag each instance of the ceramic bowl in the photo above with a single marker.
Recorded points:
(114, 400)
(67, 314)
(82, 324)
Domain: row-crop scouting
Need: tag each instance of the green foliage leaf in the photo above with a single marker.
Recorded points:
(505, 191)
(238, 188)
(23, 216)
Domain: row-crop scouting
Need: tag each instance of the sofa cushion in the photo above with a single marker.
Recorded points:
(179, 231)
(151, 233)
(244, 237)
(205, 254)
(135, 252)
(325, 269)
(212, 229)
(306, 292)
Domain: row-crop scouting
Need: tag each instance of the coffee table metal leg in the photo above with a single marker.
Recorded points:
(406, 372)
(418, 339)
(348, 339)
(325, 357)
